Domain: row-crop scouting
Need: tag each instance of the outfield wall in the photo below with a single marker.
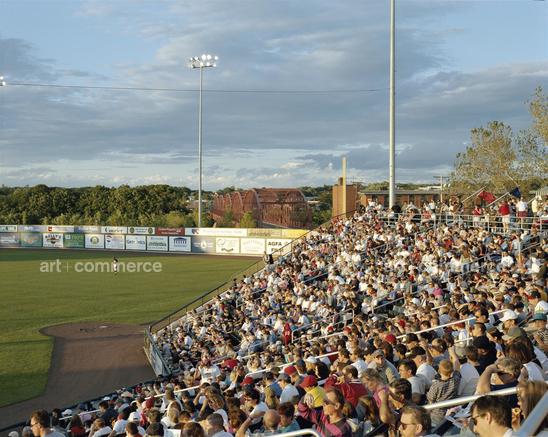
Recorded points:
(213, 241)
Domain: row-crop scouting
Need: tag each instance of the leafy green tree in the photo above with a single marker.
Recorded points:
(248, 221)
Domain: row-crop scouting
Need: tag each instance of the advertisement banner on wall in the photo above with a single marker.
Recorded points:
(59, 228)
(170, 231)
(266, 233)
(227, 245)
(88, 229)
(31, 228)
(52, 240)
(74, 240)
(94, 241)
(156, 243)
(115, 242)
(180, 244)
(252, 246)
(216, 232)
(31, 239)
(8, 228)
(114, 229)
(203, 245)
(140, 230)
(293, 233)
(272, 245)
(136, 242)
(9, 240)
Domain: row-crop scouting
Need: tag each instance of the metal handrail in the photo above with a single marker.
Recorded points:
(308, 431)
(456, 322)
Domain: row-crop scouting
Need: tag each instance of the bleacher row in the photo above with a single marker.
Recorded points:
(375, 324)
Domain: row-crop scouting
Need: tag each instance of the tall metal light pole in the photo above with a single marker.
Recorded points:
(392, 146)
(201, 62)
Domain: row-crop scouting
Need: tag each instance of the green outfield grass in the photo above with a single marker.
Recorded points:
(31, 300)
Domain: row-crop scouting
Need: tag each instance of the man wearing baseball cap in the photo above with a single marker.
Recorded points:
(310, 386)
(540, 333)
(509, 320)
(289, 392)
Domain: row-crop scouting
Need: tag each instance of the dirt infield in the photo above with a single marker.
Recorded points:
(88, 360)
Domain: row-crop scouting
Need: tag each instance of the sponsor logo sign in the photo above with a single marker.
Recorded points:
(114, 229)
(227, 245)
(272, 245)
(94, 241)
(115, 242)
(9, 240)
(274, 233)
(8, 228)
(29, 239)
(87, 229)
(56, 228)
(31, 228)
(136, 242)
(74, 240)
(293, 233)
(180, 244)
(156, 243)
(252, 246)
(52, 240)
(216, 232)
(170, 231)
(140, 230)
(203, 245)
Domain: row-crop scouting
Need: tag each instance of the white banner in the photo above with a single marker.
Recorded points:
(8, 228)
(216, 232)
(274, 244)
(136, 242)
(140, 230)
(115, 242)
(227, 245)
(94, 241)
(114, 229)
(155, 242)
(180, 244)
(56, 228)
(253, 246)
(52, 240)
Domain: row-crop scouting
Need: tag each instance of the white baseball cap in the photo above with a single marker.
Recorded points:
(509, 315)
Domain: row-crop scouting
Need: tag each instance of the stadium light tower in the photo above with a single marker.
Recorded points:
(201, 62)
(2, 81)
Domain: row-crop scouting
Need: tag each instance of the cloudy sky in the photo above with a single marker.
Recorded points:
(299, 84)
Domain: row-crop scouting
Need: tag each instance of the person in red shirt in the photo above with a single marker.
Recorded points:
(349, 385)
(504, 211)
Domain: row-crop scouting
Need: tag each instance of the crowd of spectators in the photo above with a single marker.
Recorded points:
(357, 330)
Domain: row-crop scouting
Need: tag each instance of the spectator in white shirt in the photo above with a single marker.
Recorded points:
(289, 392)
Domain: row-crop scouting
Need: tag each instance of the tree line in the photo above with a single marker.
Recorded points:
(151, 205)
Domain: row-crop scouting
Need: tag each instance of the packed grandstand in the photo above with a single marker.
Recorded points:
(374, 325)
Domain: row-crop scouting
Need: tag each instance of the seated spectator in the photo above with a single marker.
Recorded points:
(191, 429)
(310, 386)
(289, 392)
(503, 374)
(349, 384)
(443, 388)
(40, 424)
(408, 370)
(491, 416)
(330, 422)
(215, 426)
(271, 422)
(414, 421)
(529, 393)
(287, 418)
